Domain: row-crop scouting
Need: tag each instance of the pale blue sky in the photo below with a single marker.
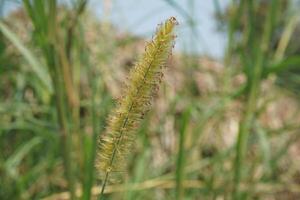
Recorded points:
(142, 16)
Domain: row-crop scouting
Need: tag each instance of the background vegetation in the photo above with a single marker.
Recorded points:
(218, 130)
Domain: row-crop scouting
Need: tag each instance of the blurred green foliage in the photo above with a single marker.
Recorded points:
(218, 130)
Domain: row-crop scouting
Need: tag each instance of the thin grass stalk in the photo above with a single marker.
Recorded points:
(65, 136)
(233, 23)
(88, 182)
(43, 17)
(180, 165)
(251, 104)
(90, 160)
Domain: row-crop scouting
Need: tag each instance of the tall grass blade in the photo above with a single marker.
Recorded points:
(181, 156)
(33, 62)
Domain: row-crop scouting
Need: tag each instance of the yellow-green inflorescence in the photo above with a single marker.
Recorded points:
(143, 83)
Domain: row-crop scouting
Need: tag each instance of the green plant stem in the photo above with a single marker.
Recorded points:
(91, 154)
(63, 123)
(181, 156)
(243, 136)
(90, 157)
(43, 17)
(251, 104)
(233, 23)
(101, 197)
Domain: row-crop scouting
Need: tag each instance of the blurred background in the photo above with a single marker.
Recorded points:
(225, 122)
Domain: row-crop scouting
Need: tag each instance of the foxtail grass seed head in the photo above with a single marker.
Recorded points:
(144, 79)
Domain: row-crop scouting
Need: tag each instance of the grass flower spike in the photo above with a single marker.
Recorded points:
(144, 79)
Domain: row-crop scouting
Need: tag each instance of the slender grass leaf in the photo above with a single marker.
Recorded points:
(35, 65)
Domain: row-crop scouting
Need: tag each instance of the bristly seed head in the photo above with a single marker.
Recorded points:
(143, 84)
